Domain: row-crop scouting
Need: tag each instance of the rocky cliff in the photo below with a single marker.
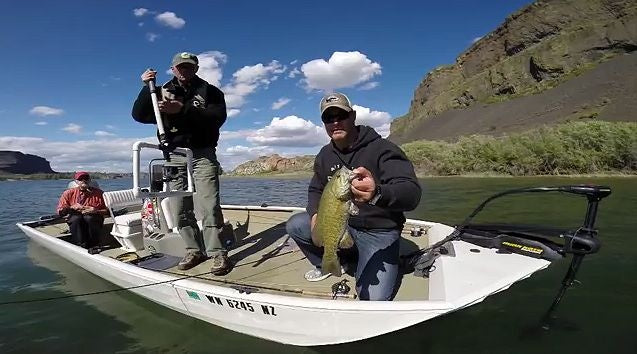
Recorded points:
(535, 50)
(274, 164)
(15, 162)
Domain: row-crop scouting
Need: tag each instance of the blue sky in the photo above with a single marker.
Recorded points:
(71, 68)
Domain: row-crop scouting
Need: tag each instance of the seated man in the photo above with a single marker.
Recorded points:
(85, 209)
(384, 186)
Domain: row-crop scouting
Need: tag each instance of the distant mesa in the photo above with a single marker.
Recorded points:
(274, 164)
(15, 162)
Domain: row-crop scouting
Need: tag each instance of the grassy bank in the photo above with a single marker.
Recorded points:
(576, 148)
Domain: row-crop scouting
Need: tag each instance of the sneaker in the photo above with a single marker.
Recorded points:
(190, 260)
(316, 275)
(221, 264)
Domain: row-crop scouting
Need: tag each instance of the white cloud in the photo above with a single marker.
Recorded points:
(292, 74)
(370, 85)
(44, 111)
(41, 123)
(170, 19)
(294, 61)
(103, 133)
(476, 39)
(109, 155)
(343, 69)
(151, 37)
(289, 131)
(376, 119)
(139, 12)
(235, 134)
(210, 66)
(233, 112)
(108, 126)
(73, 128)
(233, 156)
(280, 103)
(140, 24)
(248, 79)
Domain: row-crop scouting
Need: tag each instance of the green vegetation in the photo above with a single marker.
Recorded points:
(571, 148)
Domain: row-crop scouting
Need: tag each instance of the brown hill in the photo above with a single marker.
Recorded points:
(551, 61)
(274, 164)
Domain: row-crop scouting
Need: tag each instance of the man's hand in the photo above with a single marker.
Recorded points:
(77, 207)
(363, 185)
(88, 210)
(170, 106)
(148, 75)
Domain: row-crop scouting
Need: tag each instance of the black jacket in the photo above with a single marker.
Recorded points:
(198, 124)
(391, 169)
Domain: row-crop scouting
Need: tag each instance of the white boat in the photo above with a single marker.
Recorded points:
(266, 295)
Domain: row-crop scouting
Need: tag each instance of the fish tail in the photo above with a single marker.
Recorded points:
(331, 265)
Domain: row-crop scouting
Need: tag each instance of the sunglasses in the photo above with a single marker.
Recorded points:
(332, 118)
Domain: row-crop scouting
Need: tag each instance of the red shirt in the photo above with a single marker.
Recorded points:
(92, 197)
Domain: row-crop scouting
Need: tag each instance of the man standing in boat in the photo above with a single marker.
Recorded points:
(193, 111)
(84, 208)
(384, 186)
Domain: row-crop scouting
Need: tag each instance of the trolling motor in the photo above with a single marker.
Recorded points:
(525, 240)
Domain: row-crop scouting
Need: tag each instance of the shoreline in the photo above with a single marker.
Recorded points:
(308, 175)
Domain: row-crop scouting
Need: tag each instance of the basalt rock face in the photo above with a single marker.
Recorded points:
(534, 51)
(274, 164)
(15, 162)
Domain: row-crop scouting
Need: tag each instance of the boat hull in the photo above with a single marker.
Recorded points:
(299, 320)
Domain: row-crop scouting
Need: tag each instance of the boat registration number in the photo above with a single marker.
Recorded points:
(236, 304)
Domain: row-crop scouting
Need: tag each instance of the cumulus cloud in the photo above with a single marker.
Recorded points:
(139, 12)
(44, 111)
(233, 112)
(210, 66)
(170, 19)
(343, 69)
(103, 133)
(280, 103)
(248, 79)
(235, 134)
(233, 156)
(41, 123)
(108, 155)
(73, 128)
(370, 85)
(376, 119)
(293, 73)
(151, 37)
(289, 131)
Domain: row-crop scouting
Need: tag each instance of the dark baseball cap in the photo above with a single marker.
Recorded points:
(80, 174)
(185, 57)
(335, 99)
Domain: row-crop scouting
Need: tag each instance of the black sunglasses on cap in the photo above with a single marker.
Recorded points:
(332, 118)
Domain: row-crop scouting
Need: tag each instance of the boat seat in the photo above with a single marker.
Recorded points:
(127, 228)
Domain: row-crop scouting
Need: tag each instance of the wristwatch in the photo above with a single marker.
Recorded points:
(376, 197)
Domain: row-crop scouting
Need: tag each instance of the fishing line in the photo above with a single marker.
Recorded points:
(101, 292)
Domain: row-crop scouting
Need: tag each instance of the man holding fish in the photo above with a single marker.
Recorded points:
(361, 186)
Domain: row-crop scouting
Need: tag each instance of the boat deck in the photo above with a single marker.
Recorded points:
(266, 258)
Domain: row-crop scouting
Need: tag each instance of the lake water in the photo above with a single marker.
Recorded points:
(596, 316)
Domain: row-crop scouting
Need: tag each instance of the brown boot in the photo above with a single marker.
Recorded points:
(191, 260)
(221, 264)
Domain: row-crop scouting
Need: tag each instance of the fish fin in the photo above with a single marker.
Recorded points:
(346, 240)
(331, 266)
(316, 237)
(353, 209)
